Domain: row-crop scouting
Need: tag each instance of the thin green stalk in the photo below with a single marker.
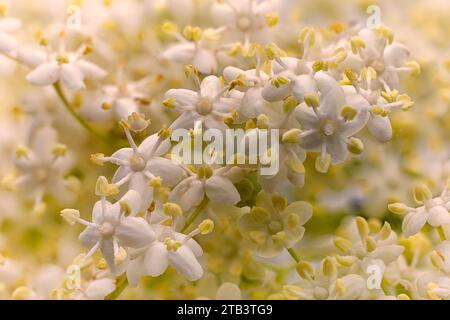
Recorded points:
(294, 255)
(72, 111)
(195, 214)
(121, 284)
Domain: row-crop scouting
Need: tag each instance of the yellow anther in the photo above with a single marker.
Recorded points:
(169, 27)
(291, 136)
(346, 261)
(155, 182)
(8, 182)
(307, 32)
(124, 124)
(279, 237)
(305, 269)
(138, 122)
(205, 172)
(250, 124)
(106, 106)
(59, 150)
(206, 226)
(422, 193)
(356, 43)
(271, 19)
(273, 51)
(312, 100)
(59, 294)
(385, 231)
(415, 68)
(235, 49)
(70, 215)
(291, 292)
(104, 188)
(192, 33)
(403, 296)
(169, 103)
(350, 75)
(385, 33)
(295, 165)
(259, 214)
(258, 237)
(190, 69)
(22, 151)
(289, 104)
(362, 227)
(125, 206)
(262, 122)
(348, 112)
(165, 133)
(120, 256)
(371, 244)
(172, 209)
(437, 260)
(102, 264)
(320, 65)
(340, 55)
(254, 48)
(322, 164)
(39, 210)
(377, 110)
(171, 244)
(43, 41)
(279, 202)
(342, 244)
(21, 293)
(96, 158)
(329, 267)
(340, 288)
(355, 145)
(431, 291)
(337, 27)
(62, 59)
(406, 100)
(3, 9)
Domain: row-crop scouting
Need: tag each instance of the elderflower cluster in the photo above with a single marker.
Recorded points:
(232, 149)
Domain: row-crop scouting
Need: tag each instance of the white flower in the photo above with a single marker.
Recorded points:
(66, 67)
(252, 102)
(110, 228)
(140, 165)
(124, 98)
(434, 286)
(435, 211)
(325, 129)
(96, 289)
(200, 52)
(376, 247)
(7, 42)
(208, 105)
(214, 184)
(170, 247)
(291, 76)
(325, 283)
(244, 18)
(375, 48)
(42, 168)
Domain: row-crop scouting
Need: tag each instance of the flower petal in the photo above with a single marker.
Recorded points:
(220, 189)
(45, 74)
(185, 262)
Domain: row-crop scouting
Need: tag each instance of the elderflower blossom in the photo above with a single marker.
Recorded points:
(257, 152)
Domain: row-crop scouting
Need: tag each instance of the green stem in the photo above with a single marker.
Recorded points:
(294, 255)
(195, 214)
(72, 111)
(121, 284)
